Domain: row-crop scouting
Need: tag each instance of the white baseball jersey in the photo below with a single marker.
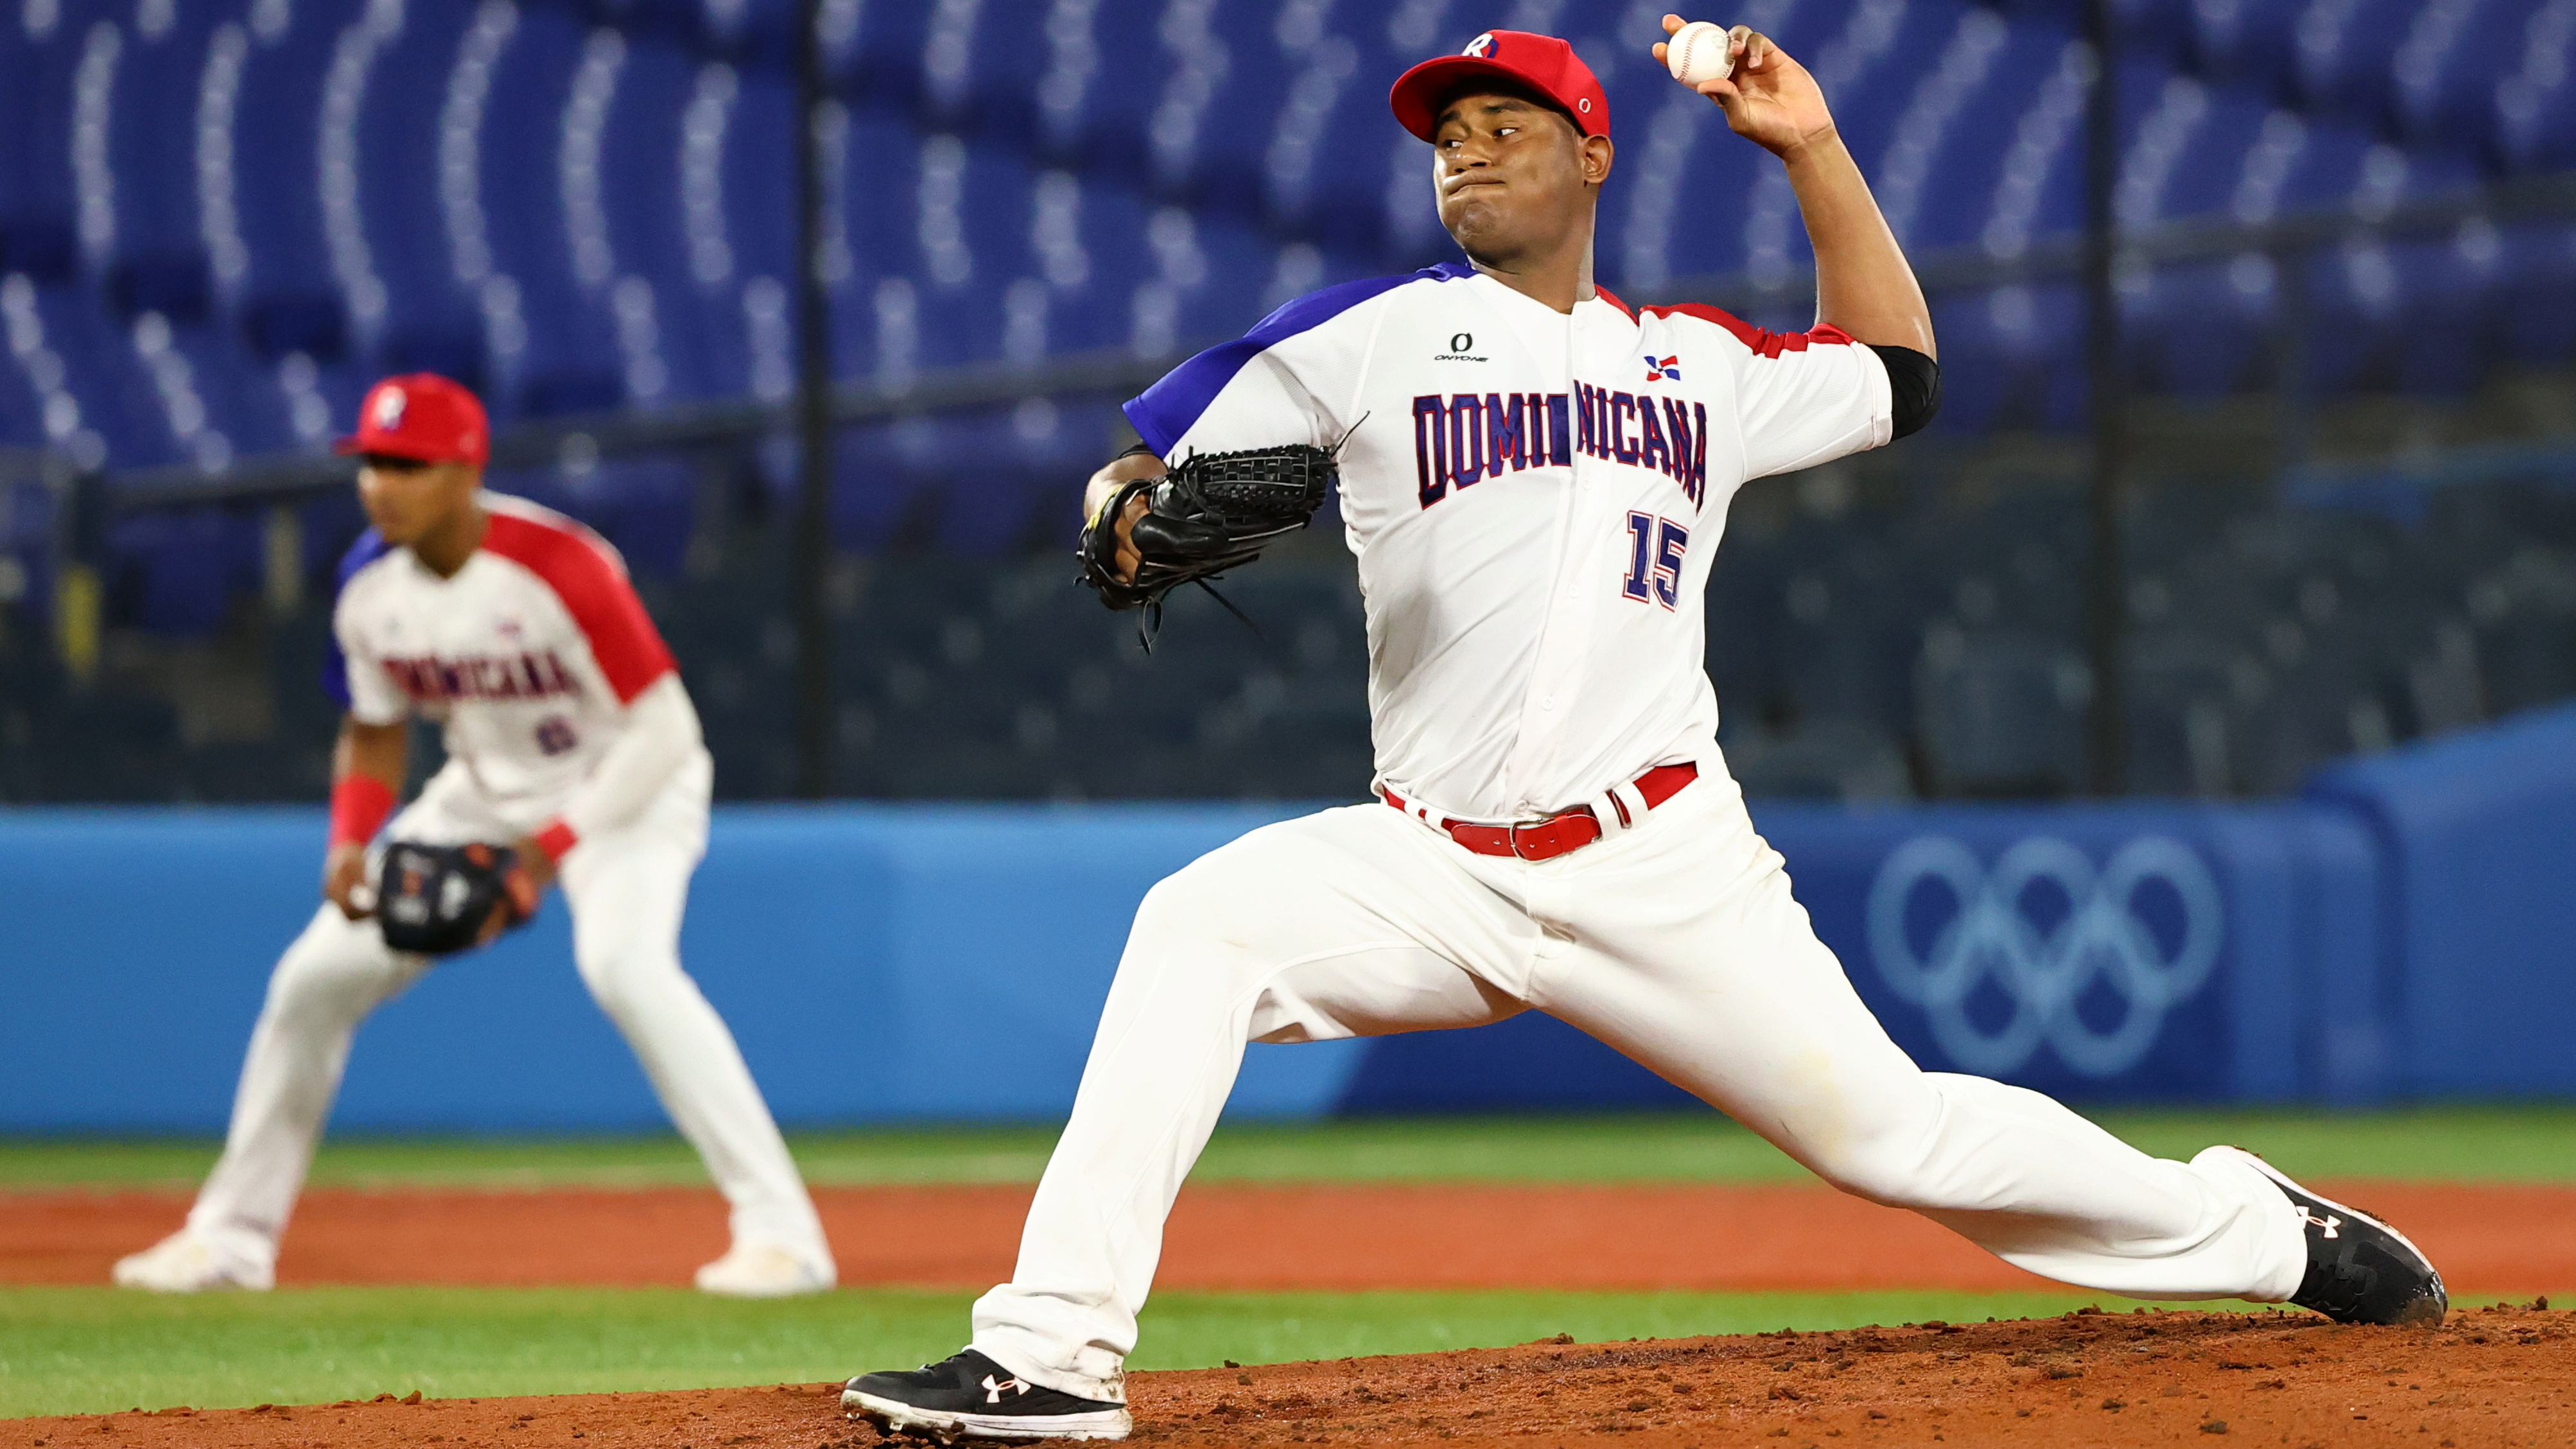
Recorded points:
(530, 655)
(1534, 499)
(527, 656)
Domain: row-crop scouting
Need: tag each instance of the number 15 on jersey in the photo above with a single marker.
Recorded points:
(1655, 548)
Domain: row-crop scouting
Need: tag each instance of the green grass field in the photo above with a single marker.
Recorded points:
(2464, 1144)
(66, 1350)
(82, 1350)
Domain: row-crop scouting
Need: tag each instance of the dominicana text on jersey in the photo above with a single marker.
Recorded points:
(1533, 498)
(1464, 438)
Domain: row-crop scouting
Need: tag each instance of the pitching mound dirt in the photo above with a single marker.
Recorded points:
(2490, 1377)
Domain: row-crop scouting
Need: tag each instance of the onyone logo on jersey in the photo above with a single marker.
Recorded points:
(1464, 438)
(2044, 948)
(535, 674)
(1462, 348)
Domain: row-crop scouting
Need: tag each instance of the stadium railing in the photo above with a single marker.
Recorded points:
(1890, 628)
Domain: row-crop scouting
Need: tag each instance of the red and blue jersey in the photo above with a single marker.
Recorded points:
(527, 656)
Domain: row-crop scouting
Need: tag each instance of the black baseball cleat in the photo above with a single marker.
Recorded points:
(972, 1397)
(2360, 1270)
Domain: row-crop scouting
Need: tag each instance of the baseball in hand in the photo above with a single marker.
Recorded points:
(1698, 53)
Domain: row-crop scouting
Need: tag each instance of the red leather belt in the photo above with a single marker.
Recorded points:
(1565, 830)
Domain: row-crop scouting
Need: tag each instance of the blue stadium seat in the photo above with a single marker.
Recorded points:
(571, 361)
(2205, 329)
(1220, 65)
(286, 269)
(155, 260)
(883, 59)
(2253, 41)
(38, 204)
(2537, 275)
(582, 207)
(1085, 113)
(2343, 61)
(115, 400)
(22, 409)
(2005, 356)
(2388, 315)
(402, 234)
(1091, 266)
(2533, 103)
(2454, 56)
(1944, 165)
(648, 297)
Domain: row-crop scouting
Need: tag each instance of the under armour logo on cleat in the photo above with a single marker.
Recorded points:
(2329, 1222)
(993, 1391)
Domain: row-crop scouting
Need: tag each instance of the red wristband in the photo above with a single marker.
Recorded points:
(359, 805)
(556, 838)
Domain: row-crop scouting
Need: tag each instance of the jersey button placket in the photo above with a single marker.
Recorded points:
(1555, 663)
(1556, 669)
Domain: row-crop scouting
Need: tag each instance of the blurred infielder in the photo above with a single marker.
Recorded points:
(1534, 478)
(572, 747)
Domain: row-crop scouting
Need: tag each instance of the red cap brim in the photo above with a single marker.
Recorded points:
(393, 448)
(1417, 93)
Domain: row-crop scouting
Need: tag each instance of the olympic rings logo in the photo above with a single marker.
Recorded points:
(2044, 973)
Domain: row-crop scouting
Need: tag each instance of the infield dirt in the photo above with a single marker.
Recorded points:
(2496, 1376)
(2490, 1238)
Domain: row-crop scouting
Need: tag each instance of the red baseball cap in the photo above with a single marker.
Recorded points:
(1540, 63)
(424, 416)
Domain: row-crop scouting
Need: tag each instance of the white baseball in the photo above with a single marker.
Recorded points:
(1698, 53)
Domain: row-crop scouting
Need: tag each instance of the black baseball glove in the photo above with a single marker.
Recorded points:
(1214, 512)
(441, 899)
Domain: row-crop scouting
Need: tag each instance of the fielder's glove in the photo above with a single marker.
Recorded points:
(441, 899)
(1214, 512)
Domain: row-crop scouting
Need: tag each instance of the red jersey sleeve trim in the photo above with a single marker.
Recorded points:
(1763, 342)
(593, 587)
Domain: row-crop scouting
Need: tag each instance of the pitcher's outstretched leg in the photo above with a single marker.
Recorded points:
(1372, 941)
(1725, 990)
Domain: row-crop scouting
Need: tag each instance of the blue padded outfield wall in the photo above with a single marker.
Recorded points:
(2404, 931)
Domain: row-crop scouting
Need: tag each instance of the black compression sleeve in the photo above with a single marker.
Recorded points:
(1913, 386)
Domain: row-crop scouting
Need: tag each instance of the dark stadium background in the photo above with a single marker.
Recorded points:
(2302, 382)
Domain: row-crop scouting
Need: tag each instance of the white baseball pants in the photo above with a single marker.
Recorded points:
(1677, 942)
(626, 889)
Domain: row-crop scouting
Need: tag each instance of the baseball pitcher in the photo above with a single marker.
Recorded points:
(573, 754)
(1534, 479)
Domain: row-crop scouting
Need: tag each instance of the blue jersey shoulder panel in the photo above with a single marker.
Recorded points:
(1165, 411)
(370, 547)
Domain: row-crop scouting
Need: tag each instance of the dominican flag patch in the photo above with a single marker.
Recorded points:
(1660, 369)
